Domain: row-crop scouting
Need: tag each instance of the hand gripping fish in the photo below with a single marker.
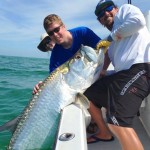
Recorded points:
(37, 126)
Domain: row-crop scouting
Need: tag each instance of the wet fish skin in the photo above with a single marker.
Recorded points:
(39, 120)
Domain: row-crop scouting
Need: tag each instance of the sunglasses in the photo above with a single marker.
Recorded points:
(47, 41)
(56, 30)
(102, 13)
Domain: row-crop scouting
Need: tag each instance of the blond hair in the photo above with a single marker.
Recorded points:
(50, 19)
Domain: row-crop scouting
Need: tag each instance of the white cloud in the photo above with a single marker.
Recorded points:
(22, 20)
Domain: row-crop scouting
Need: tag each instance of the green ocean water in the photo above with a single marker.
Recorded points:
(18, 76)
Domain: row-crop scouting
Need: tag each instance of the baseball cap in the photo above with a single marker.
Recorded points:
(43, 36)
(101, 4)
(41, 45)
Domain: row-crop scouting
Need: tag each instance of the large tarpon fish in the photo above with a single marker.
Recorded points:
(37, 126)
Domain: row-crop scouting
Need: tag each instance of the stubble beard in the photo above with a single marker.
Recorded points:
(109, 23)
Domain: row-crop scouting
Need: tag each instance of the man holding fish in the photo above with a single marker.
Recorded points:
(129, 53)
(68, 42)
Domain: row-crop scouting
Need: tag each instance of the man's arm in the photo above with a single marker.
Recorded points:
(106, 65)
(132, 21)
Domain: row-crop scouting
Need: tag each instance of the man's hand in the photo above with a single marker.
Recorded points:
(103, 43)
(37, 87)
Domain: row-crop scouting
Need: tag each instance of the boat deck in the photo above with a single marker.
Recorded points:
(145, 139)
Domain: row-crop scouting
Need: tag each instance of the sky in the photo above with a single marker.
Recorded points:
(21, 22)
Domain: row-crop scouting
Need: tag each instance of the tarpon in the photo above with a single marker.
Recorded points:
(37, 126)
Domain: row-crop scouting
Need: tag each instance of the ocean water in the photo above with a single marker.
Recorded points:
(18, 76)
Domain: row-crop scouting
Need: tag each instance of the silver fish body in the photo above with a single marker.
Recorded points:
(39, 121)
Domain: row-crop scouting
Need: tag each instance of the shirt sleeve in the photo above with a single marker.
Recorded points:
(132, 20)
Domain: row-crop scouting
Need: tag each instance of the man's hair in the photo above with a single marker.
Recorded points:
(50, 19)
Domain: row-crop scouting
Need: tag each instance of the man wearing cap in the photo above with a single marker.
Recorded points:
(46, 43)
(129, 53)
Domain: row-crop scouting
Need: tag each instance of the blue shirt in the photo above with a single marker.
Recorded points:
(81, 36)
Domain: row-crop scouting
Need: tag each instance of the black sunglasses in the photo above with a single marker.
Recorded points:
(46, 41)
(56, 30)
(102, 13)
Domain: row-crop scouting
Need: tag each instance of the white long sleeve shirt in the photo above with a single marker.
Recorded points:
(131, 37)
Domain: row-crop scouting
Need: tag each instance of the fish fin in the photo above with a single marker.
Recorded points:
(10, 125)
(82, 101)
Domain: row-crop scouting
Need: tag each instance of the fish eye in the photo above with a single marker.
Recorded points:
(78, 56)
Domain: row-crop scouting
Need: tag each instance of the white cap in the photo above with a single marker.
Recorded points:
(43, 36)
(41, 46)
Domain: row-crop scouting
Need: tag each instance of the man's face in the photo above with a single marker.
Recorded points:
(106, 16)
(49, 44)
(56, 32)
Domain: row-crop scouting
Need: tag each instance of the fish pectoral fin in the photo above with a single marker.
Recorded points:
(10, 125)
(82, 101)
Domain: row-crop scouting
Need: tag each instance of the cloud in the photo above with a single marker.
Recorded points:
(22, 20)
